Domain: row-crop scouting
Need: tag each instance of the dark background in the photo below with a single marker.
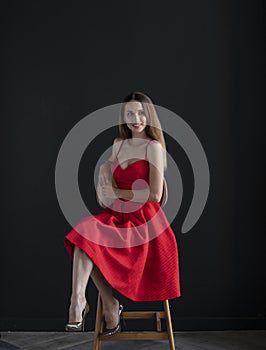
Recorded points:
(204, 60)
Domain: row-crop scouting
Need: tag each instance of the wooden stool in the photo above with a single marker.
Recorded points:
(141, 335)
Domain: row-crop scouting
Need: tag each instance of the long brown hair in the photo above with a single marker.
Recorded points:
(153, 128)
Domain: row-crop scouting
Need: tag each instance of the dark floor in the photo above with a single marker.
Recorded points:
(201, 340)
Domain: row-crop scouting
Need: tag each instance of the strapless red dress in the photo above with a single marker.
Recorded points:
(132, 244)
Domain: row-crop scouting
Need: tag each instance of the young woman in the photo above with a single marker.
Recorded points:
(146, 268)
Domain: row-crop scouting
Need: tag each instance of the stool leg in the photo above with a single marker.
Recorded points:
(169, 325)
(98, 324)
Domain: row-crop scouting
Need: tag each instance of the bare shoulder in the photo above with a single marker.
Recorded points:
(115, 146)
(117, 139)
(154, 142)
(155, 150)
(155, 145)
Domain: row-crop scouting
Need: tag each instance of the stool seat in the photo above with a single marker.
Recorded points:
(136, 335)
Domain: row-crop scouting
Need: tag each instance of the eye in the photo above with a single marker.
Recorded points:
(141, 112)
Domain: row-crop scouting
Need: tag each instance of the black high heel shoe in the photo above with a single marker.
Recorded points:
(78, 326)
(108, 332)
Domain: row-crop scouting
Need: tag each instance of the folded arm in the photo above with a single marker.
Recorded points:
(152, 193)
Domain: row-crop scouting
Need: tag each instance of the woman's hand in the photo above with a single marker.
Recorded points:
(110, 192)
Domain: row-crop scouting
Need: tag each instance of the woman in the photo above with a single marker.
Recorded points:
(142, 266)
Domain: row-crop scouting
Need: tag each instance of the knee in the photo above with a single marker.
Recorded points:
(78, 250)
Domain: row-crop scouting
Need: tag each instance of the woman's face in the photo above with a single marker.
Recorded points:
(135, 117)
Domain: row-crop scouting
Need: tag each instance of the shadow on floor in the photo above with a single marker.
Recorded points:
(191, 340)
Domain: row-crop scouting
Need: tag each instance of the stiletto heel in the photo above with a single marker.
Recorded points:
(78, 326)
(108, 332)
(123, 320)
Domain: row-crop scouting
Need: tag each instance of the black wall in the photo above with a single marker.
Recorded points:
(204, 60)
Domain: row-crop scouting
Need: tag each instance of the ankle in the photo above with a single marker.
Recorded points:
(78, 299)
(110, 303)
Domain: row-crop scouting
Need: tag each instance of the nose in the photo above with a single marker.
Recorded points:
(136, 118)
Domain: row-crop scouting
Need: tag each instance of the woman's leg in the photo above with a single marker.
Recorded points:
(81, 270)
(110, 304)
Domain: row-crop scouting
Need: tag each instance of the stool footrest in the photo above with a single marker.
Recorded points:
(138, 336)
(143, 314)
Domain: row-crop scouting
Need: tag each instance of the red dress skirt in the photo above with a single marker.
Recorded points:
(132, 244)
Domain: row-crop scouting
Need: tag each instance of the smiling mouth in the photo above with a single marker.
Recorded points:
(137, 125)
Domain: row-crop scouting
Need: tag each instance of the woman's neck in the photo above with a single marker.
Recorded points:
(137, 140)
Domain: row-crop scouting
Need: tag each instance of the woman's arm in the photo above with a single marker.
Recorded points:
(156, 169)
(115, 147)
(155, 155)
(106, 178)
(105, 174)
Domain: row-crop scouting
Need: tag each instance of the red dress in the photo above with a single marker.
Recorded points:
(132, 244)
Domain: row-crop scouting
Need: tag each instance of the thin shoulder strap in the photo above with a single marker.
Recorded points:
(147, 148)
(119, 148)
